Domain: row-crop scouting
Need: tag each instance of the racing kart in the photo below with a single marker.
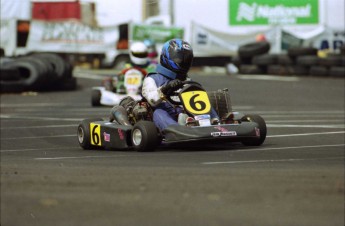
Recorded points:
(131, 127)
(114, 90)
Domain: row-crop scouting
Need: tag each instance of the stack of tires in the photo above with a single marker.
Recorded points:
(36, 72)
(254, 58)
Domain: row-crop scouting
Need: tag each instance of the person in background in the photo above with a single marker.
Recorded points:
(139, 60)
(175, 61)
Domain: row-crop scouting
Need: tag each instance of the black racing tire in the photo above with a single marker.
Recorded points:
(31, 77)
(144, 136)
(57, 62)
(335, 60)
(319, 71)
(43, 68)
(5, 60)
(277, 70)
(253, 49)
(265, 59)
(301, 51)
(337, 71)
(307, 60)
(285, 59)
(238, 61)
(68, 70)
(84, 135)
(250, 69)
(49, 69)
(12, 87)
(298, 70)
(262, 127)
(9, 74)
(96, 97)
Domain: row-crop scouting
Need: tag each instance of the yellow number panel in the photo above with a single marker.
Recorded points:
(196, 102)
(95, 134)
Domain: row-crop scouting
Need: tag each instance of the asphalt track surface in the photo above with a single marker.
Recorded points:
(295, 178)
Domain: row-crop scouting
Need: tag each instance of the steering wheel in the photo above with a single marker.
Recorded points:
(175, 93)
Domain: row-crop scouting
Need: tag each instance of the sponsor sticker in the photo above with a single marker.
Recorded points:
(224, 134)
(222, 129)
(204, 120)
(106, 137)
(121, 135)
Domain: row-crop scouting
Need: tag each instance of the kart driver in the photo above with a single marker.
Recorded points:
(139, 59)
(175, 60)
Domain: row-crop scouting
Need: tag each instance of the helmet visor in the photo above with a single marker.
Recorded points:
(139, 54)
(183, 59)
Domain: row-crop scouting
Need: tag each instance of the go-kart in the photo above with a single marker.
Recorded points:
(113, 90)
(131, 127)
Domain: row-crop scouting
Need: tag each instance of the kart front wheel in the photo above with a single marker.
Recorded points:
(262, 128)
(83, 133)
(144, 136)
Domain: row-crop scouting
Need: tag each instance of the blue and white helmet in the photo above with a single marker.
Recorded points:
(177, 56)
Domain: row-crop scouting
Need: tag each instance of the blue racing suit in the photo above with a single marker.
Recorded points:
(164, 114)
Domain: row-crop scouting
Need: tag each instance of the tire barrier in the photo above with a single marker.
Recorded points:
(253, 58)
(253, 49)
(36, 72)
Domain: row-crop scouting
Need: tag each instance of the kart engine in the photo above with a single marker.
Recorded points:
(140, 112)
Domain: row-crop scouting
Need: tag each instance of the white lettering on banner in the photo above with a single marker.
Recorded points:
(281, 11)
(71, 32)
(246, 12)
(277, 14)
(71, 37)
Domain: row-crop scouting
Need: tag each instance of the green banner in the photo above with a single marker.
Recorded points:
(159, 34)
(267, 12)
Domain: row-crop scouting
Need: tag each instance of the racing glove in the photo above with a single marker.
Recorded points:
(171, 86)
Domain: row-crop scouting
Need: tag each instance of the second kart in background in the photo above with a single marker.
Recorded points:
(126, 83)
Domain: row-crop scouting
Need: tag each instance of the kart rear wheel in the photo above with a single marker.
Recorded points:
(83, 133)
(144, 136)
(262, 127)
(96, 97)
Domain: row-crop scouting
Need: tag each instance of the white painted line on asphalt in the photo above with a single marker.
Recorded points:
(81, 157)
(303, 116)
(296, 147)
(33, 149)
(305, 126)
(38, 127)
(306, 120)
(243, 107)
(271, 160)
(34, 105)
(305, 134)
(271, 136)
(39, 118)
(268, 78)
(179, 154)
(54, 136)
(311, 112)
